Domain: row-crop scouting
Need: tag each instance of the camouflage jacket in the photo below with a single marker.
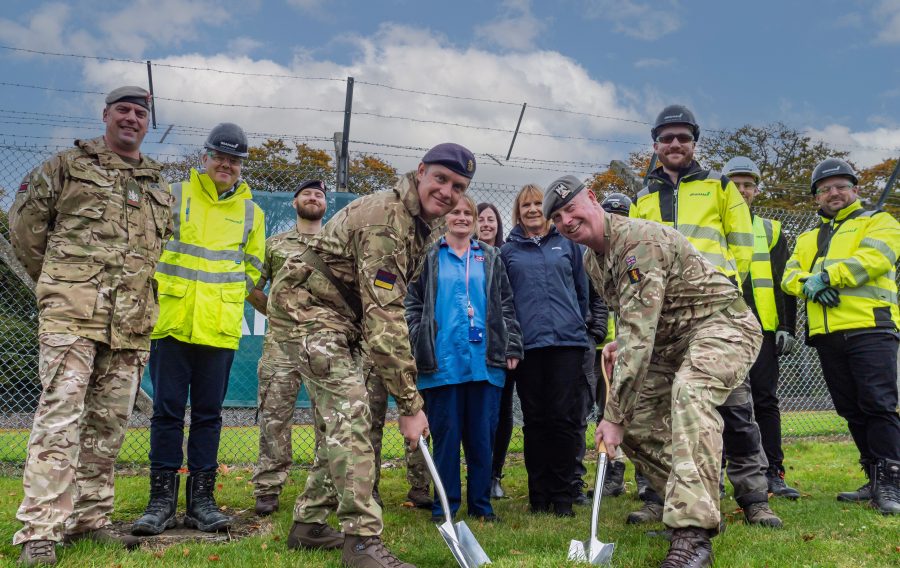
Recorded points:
(89, 228)
(660, 287)
(375, 245)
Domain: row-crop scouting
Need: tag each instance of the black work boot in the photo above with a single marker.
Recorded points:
(317, 536)
(614, 482)
(38, 553)
(160, 512)
(578, 496)
(420, 497)
(497, 489)
(887, 487)
(778, 486)
(266, 504)
(650, 512)
(369, 552)
(864, 493)
(690, 548)
(642, 485)
(202, 512)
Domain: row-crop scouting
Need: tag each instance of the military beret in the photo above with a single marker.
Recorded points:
(130, 94)
(561, 192)
(316, 183)
(454, 157)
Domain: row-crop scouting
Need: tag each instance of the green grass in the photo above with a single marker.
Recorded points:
(819, 531)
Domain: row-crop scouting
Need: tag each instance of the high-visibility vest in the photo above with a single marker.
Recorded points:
(211, 263)
(858, 251)
(766, 233)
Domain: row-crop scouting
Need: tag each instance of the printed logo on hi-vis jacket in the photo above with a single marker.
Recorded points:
(385, 279)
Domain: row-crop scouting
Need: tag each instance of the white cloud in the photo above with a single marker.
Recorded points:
(516, 29)
(415, 60)
(47, 29)
(887, 16)
(653, 62)
(640, 20)
(866, 148)
(243, 45)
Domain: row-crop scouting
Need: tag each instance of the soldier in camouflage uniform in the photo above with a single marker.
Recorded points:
(88, 225)
(348, 287)
(279, 380)
(686, 339)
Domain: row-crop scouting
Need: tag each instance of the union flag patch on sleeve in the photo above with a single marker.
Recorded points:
(385, 279)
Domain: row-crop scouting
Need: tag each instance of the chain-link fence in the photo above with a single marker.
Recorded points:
(804, 398)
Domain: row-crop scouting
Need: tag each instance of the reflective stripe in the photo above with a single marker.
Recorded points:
(857, 270)
(249, 212)
(176, 209)
(763, 283)
(761, 276)
(250, 284)
(255, 262)
(760, 257)
(881, 247)
(204, 253)
(871, 293)
(718, 260)
(698, 232)
(740, 239)
(767, 227)
(200, 275)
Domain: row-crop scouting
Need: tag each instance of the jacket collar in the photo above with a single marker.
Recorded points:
(206, 184)
(109, 159)
(692, 169)
(842, 214)
(407, 190)
(518, 234)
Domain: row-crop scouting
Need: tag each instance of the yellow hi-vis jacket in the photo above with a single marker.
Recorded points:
(858, 249)
(212, 262)
(705, 207)
(766, 233)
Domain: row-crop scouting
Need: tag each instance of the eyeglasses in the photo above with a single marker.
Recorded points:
(841, 187)
(668, 138)
(745, 184)
(224, 158)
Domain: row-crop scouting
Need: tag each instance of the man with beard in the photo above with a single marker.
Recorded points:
(279, 380)
(707, 208)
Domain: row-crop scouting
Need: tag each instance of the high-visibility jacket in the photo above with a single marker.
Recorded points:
(766, 233)
(705, 207)
(858, 249)
(211, 263)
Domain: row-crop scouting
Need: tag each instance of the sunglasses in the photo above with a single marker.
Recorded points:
(668, 138)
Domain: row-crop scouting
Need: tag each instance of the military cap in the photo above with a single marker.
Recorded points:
(316, 183)
(130, 94)
(561, 192)
(454, 157)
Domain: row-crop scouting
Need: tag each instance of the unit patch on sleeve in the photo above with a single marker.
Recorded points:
(634, 275)
(385, 279)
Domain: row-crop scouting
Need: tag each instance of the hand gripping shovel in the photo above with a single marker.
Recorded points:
(592, 550)
(459, 538)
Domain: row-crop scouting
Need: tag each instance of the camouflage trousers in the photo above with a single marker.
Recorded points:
(279, 384)
(416, 471)
(343, 472)
(675, 436)
(745, 460)
(79, 425)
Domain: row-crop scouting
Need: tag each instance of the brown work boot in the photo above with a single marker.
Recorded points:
(420, 497)
(761, 514)
(266, 504)
(104, 535)
(690, 548)
(650, 512)
(314, 536)
(369, 552)
(38, 553)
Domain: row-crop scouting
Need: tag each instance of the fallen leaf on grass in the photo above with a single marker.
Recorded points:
(239, 478)
(264, 546)
(224, 469)
(159, 553)
(408, 505)
(219, 486)
(276, 538)
(808, 537)
(185, 552)
(213, 558)
(515, 552)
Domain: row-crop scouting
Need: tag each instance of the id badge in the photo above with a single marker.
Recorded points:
(476, 334)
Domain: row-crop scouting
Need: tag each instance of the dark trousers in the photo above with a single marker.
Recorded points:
(466, 414)
(861, 374)
(764, 376)
(552, 389)
(180, 370)
(504, 426)
(587, 406)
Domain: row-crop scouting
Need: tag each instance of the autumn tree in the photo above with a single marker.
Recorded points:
(608, 181)
(369, 174)
(274, 166)
(872, 181)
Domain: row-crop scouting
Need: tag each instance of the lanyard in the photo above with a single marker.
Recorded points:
(470, 311)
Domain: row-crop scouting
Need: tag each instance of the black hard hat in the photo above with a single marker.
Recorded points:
(830, 167)
(617, 203)
(675, 114)
(228, 138)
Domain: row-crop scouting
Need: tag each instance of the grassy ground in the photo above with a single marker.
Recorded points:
(818, 531)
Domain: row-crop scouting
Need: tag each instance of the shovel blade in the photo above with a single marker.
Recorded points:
(470, 546)
(577, 552)
(465, 549)
(591, 551)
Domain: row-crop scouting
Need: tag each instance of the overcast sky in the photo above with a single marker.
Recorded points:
(831, 68)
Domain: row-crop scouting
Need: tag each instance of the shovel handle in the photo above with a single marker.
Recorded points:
(438, 485)
(601, 447)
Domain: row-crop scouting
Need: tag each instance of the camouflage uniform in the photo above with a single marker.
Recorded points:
(88, 227)
(686, 339)
(279, 383)
(374, 246)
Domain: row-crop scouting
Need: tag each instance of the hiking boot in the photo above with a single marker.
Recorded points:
(614, 482)
(578, 496)
(563, 509)
(369, 552)
(160, 512)
(865, 492)
(104, 535)
(202, 512)
(497, 489)
(314, 536)
(887, 487)
(642, 485)
(420, 497)
(650, 512)
(38, 553)
(778, 486)
(266, 504)
(690, 548)
(762, 515)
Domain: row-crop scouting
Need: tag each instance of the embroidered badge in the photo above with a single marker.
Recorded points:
(470, 166)
(634, 275)
(631, 261)
(24, 187)
(479, 258)
(562, 190)
(384, 279)
(133, 197)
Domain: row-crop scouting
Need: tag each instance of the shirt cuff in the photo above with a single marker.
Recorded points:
(410, 406)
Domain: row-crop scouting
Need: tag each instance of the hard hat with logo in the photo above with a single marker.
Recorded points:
(675, 114)
(228, 138)
(831, 167)
(742, 165)
(617, 203)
